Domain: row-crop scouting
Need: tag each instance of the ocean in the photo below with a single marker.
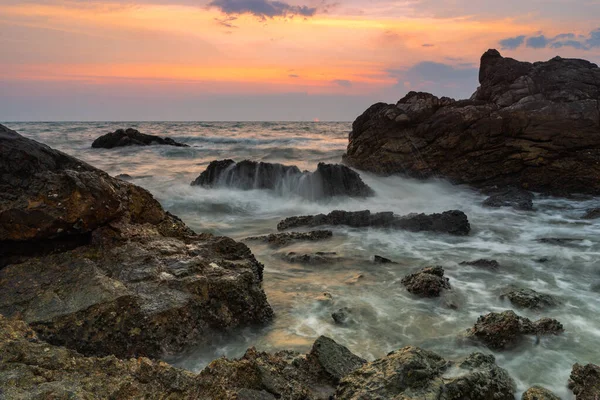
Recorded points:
(385, 316)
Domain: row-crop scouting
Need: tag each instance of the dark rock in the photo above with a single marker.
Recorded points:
(538, 393)
(95, 264)
(518, 199)
(285, 238)
(414, 373)
(428, 282)
(335, 360)
(327, 181)
(532, 126)
(593, 213)
(452, 222)
(483, 263)
(317, 258)
(125, 177)
(131, 137)
(504, 330)
(585, 381)
(342, 316)
(382, 260)
(529, 298)
(542, 260)
(249, 394)
(559, 241)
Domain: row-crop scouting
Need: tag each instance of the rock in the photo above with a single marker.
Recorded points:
(382, 260)
(559, 241)
(518, 199)
(318, 258)
(95, 264)
(327, 181)
(452, 222)
(325, 298)
(531, 126)
(131, 137)
(335, 360)
(529, 298)
(504, 330)
(414, 373)
(538, 393)
(428, 282)
(585, 381)
(593, 213)
(342, 316)
(483, 263)
(125, 177)
(285, 238)
(354, 279)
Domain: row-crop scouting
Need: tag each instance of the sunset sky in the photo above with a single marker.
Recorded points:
(262, 59)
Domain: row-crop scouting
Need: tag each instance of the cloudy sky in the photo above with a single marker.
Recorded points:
(264, 59)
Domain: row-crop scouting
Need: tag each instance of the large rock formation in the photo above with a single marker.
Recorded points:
(131, 137)
(534, 126)
(453, 222)
(585, 381)
(327, 181)
(94, 263)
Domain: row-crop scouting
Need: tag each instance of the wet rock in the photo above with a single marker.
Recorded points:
(325, 298)
(342, 316)
(428, 282)
(131, 137)
(560, 241)
(452, 222)
(542, 260)
(327, 181)
(538, 393)
(414, 373)
(483, 263)
(382, 260)
(354, 279)
(125, 177)
(504, 330)
(529, 298)
(531, 126)
(335, 360)
(285, 238)
(318, 258)
(593, 213)
(585, 381)
(95, 264)
(518, 199)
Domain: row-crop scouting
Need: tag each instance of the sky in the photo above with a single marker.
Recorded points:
(285, 60)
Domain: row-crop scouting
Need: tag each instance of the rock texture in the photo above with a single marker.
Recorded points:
(285, 238)
(533, 126)
(94, 263)
(327, 181)
(414, 373)
(428, 282)
(453, 222)
(585, 382)
(529, 298)
(131, 137)
(538, 393)
(504, 330)
(492, 265)
(510, 197)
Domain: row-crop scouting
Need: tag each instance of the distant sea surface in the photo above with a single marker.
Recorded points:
(386, 317)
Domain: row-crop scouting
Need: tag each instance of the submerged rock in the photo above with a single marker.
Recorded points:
(414, 373)
(593, 213)
(529, 298)
(585, 382)
(342, 316)
(532, 126)
(428, 282)
(327, 181)
(518, 199)
(483, 263)
(382, 260)
(538, 393)
(453, 222)
(504, 330)
(95, 264)
(131, 137)
(317, 258)
(285, 238)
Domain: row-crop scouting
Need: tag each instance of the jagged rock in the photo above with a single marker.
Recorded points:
(585, 381)
(131, 137)
(428, 282)
(593, 213)
(452, 222)
(538, 393)
(341, 316)
(483, 263)
(335, 360)
(285, 238)
(317, 258)
(518, 199)
(382, 260)
(94, 263)
(532, 126)
(414, 373)
(327, 181)
(529, 298)
(504, 330)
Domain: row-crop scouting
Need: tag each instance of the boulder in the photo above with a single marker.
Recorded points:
(518, 199)
(414, 373)
(529, 298)
(531, 126)
(327, 181)
(334, 360)
(538, 393)
(342, 316)
(585, 381)
(428, 282)
(453, 222)
(483, 263)
(131, 137)
(95, 264)
(284, 238)
(504, 330)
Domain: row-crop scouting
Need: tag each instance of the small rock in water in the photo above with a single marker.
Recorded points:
(518, 199)
(593, 213)
(483, 263)
(585, 381)
(131, 137)
(539, 393)
(542, 260)
(125, 177)
(559, 241)
(285, 238)
(342, 316)
(354, 279)
(428, 282)
(325, 298)
(318, 258)
(382, 260)
(529, 298)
